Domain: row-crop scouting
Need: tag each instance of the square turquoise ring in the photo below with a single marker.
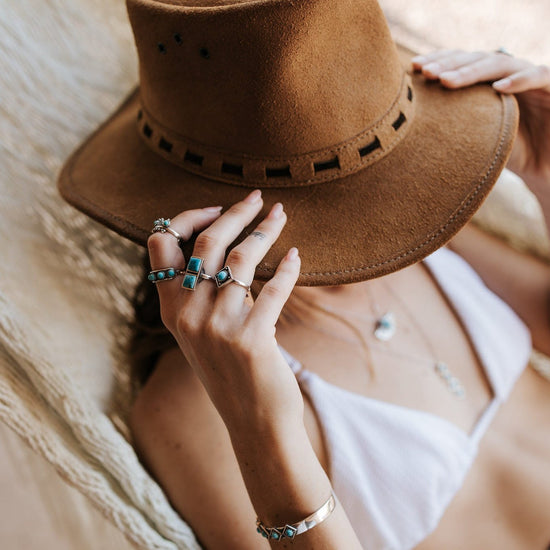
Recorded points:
(194, 273)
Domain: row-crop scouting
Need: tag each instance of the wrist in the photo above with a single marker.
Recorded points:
(282, 474)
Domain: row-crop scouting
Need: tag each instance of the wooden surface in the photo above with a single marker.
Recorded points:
(38, 511)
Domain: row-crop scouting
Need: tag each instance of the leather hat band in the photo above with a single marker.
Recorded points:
(330, 163)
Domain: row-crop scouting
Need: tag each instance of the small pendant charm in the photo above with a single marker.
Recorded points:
(453, 383)
(385, 327)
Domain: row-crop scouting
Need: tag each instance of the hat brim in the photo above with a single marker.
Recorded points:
(373, 222)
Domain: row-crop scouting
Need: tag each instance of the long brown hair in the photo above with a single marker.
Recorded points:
(150, 338)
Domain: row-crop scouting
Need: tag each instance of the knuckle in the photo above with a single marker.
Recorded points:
(245, 342)
(467, 70)
(272, 290)
(237, 209)
(185, 324)
(214, 327)
(237, 257)
(206, 241)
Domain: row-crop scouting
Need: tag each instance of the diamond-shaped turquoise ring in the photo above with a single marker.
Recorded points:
(166, 274)
(194, 273)
(224, 277)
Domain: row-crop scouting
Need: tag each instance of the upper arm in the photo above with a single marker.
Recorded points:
(520, 279)
(185, 445)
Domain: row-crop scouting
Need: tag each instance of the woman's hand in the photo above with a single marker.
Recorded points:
(227, 339)
(530, 157)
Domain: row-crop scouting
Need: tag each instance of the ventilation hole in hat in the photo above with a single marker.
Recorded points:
(192, 157)
(372, 146)
(178, 38)
(147, 131)
(327, 165)
(409, 94)
(399, 121)
(140, 114)
(166, 145)
(235, 169)
(278, 172)
(204, 53)
(161, 47)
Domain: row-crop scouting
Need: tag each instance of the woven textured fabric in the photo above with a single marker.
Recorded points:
(67, 281)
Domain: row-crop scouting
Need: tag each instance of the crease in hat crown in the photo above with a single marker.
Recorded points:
(267, 92)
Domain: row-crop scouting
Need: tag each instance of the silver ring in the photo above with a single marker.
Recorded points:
(166, 274)
(162, 225)
(194, 273)
(224, 277)
(504, 51)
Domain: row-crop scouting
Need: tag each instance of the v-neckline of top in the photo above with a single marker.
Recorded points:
(474, 435)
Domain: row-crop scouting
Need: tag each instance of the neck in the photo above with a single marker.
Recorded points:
(333, 292)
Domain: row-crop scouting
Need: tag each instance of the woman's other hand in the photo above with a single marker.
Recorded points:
(227, 338)
(530, 83)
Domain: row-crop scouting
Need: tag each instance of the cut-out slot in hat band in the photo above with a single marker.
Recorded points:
(330, 163)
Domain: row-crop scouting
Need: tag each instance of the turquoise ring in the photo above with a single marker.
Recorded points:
(224, 277)
(165, 274)
(162, 225)
(194, 273)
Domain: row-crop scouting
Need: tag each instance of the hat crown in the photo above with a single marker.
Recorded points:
(269, 77)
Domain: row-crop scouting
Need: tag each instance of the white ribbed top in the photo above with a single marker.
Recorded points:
(395, 469)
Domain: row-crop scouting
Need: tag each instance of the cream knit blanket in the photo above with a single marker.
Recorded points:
(67, 281)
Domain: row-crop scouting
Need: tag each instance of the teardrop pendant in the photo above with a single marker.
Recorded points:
(385, 327)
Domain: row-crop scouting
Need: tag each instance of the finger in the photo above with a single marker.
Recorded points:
(489, 68)
(163, 248)
(421, 60)
(212, 243)
(450, 62)
(273, 296)
(244, 258)
(533, 78)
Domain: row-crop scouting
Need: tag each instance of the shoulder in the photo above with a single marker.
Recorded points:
(184, 443)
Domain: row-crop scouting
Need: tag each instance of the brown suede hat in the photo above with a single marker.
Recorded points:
(312, 102)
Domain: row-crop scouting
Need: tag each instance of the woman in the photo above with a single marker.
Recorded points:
(180, 401)
(407, 414)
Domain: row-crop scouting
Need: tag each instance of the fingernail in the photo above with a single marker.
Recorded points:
(504, 83)
(213, 208)
(276, 211)
(432, 68)
(292, 254)
(449, 75)
(253, 197)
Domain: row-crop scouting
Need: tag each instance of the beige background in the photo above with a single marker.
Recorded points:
(37, 510)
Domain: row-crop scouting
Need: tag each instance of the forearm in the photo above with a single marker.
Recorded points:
(286, 483)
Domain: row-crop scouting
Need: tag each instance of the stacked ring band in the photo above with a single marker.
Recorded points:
(224, 277)
(194, 273)
(162, 225)
(166, 274)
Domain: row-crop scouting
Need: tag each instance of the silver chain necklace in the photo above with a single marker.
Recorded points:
(385, 327)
